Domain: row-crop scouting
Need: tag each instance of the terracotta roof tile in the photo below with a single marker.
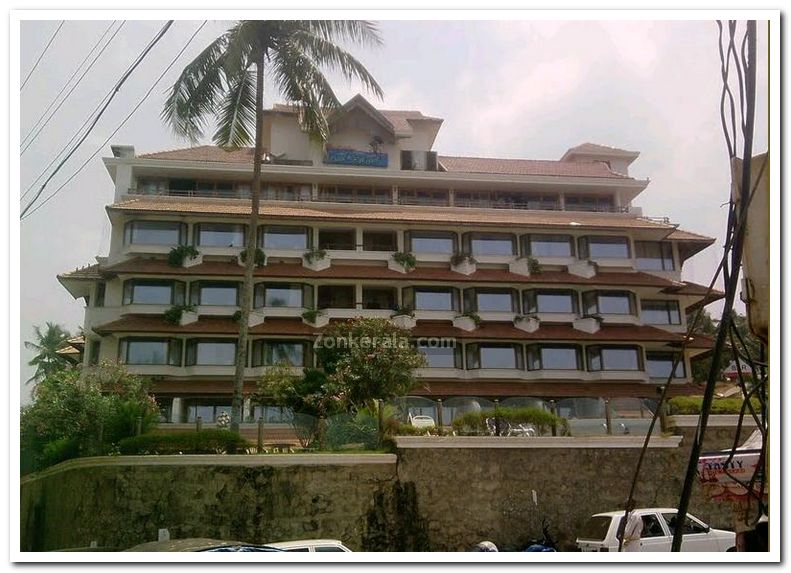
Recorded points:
(527, 167)
(140, 266)
(204, 153)
(681, 235)
(89, 272)
(455, 215)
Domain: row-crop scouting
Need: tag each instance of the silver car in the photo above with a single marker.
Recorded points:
(601, 532)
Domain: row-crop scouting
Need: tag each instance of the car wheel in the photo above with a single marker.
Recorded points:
(730, 549)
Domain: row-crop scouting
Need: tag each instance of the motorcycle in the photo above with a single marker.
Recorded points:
(546, 543)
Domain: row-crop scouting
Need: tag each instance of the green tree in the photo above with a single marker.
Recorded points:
(707, 326)
(226, 82)
(368, 359)
(47, 360)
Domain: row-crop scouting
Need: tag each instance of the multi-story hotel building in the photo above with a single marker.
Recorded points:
(568, 290)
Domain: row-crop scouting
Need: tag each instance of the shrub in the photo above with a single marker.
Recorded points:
(259, 257)
(475, 422)
(460, 258)
(691, 405)
(346, 429)
(311, 315)
(403, 311)
(314, 255)
(181, 253)
(237, 316)
(121, 421)
(406, 260)
(203, 442)
(59, 451)
(173, 314)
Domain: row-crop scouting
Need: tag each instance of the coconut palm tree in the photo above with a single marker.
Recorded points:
(225, 82)
(46, 346)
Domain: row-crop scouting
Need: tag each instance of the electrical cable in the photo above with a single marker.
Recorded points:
(68, 81)
(49, 118)
(33, 69)
(139, 103)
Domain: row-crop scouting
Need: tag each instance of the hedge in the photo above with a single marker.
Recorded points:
(203, 442)
(542, 420)
(691, 405)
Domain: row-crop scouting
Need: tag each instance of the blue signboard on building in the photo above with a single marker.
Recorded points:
(358, 158)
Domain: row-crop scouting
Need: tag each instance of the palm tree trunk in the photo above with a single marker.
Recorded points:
(249, 266)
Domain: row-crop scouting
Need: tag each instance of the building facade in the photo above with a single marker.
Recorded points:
(542, 279)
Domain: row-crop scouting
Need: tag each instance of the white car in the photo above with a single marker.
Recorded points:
(312, 545)
(600, 533)
(422, 422)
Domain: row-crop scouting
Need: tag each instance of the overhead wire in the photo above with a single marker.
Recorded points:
(31, 138)
(68, 81)
(131, 113)
(35, 65)
(113, 93)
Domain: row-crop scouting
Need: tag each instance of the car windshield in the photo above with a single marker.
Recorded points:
(239, 549)
(596, 528)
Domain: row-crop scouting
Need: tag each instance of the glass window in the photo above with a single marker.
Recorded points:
(654, 256)
(211, 353)
(439, 242)
(94, 349)
(590, 203)
(550, 301)
(651, 527)
(691, 527)
(659, 365)
(435, 299)
(331, 548)
(283, 295)
(608, 302)
(379, 298)
(340, 296)
(491, 244)
(494, 301)
(272, 352)
(154, 233)
(101, 290)
(219, 235)
(379, 241)
(150, 351)
(215, 294)
(441, 356)
(297, 238)
(273, 414)
(604, 248)
(548, 245)
(613, 358)
(207, 408)
(338, 240)
(498, 356)
(660, 312)
(550, 357)
(153, 292)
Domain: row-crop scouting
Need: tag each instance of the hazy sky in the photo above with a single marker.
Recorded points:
(505, 89)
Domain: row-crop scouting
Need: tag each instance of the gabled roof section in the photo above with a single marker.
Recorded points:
(205, 153)
(359, 102)
(595, 150)
(561, 168)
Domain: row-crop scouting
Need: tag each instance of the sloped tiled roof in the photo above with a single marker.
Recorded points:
(686, 236)
(455, 215)
(205, 325)
(89, 272)
(527, 167)
(204, 153)
(597, 148)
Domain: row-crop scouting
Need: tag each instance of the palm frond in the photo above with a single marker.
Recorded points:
(194, 94)
(325, 54)
(361, 32)
(236, 116)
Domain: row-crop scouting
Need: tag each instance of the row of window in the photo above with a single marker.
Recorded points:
(297, 295)
(472, 356)
(649, 255)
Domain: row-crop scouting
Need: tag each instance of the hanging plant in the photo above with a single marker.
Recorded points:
(311, 315)
(260, 257)
(314, 255)
(403, 311)
(406, 260)
(181, 253)
(237, 316)
(461, 258)
(173, 314)
(472, 316)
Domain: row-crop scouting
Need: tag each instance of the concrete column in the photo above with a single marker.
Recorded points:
(246, 407)
(358, 295)
(176, 411)
(608, 416)
(400, 241)
(451, 197)
(358, 238)
(314, 192)
(395, 194)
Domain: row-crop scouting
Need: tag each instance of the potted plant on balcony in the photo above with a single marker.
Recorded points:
(527, 322)
(260, 258)
(181, 314)
(403, 317)
(316, 259)
(525, 265)
(463, 263)
(256, 317)
(402, 262)
(184, 256)
(589, 323)
(315, 317)
(467, 321)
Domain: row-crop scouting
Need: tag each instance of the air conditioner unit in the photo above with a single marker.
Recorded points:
(419, 160)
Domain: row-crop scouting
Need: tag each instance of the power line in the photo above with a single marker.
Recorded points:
(115, 90)
(33, 69)
(139, 103)
(35, 135)
(74, 73)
